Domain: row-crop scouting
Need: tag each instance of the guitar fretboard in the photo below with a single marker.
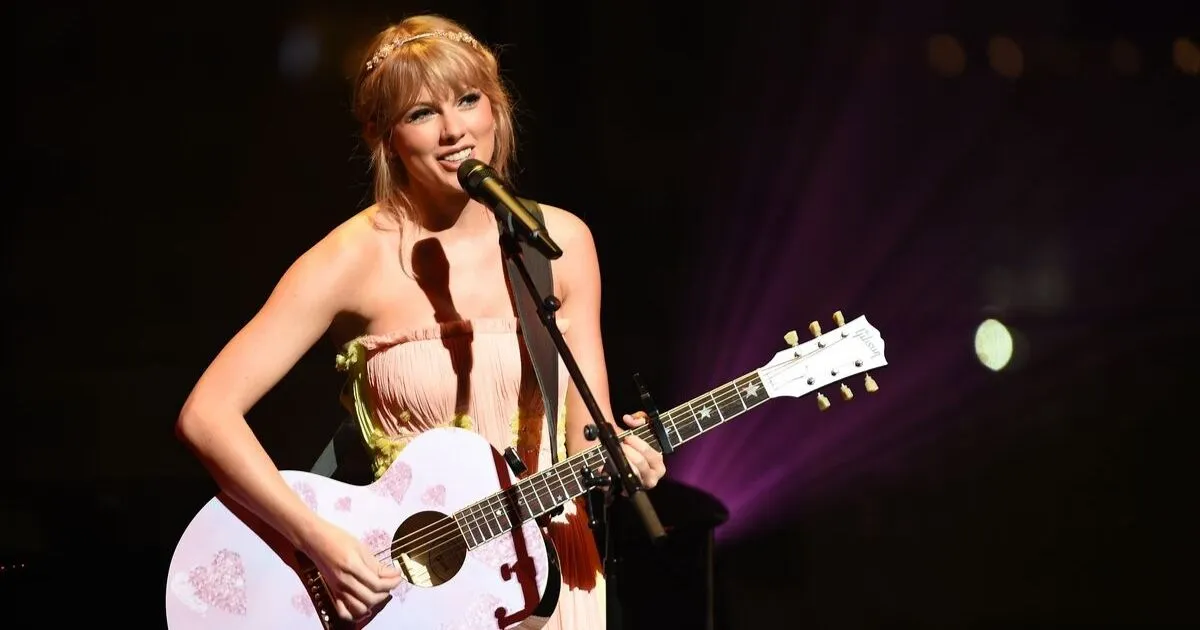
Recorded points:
(540, 493)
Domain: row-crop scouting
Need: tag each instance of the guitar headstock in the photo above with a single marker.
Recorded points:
(851, 348)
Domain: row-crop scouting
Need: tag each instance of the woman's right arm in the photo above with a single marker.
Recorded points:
(213, 420)
(212, 423)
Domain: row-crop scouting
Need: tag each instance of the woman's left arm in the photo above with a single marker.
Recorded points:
(578, 274)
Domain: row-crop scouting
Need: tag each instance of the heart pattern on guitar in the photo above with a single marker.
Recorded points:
(221, 584)
(303, 605)
(394, 482)
(307, 494)
(435, 496)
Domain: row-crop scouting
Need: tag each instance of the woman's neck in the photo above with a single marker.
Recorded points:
(454, 214)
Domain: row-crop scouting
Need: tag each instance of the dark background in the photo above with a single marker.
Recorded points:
(745, 169)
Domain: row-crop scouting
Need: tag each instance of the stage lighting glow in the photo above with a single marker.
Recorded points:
(1006, 57)
(1187, 55)
(946, 55)
(299, 52)
(993, 344)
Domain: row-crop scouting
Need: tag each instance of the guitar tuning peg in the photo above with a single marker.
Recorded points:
(822, 401)
(815, 329)
(870, 385)
(838, 319)
(846, 393)
(792, 338)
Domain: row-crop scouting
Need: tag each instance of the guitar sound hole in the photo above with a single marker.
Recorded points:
(429, 549)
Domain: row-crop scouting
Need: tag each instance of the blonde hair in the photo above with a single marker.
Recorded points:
(424, 51)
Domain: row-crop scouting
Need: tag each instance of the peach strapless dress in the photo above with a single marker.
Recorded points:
(476, 375)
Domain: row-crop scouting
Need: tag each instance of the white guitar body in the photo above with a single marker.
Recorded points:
(231, 572)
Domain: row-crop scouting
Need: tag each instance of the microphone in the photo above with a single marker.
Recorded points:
(484, 185)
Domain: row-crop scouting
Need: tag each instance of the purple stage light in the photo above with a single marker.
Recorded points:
(929, 204)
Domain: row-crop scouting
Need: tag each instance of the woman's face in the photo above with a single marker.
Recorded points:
(435, 135)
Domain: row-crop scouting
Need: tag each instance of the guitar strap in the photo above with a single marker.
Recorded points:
(344, 458)
(542, 351)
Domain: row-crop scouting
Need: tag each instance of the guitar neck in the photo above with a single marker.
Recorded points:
(540, 493)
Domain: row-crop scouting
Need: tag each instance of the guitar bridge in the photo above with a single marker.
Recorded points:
(318, 593)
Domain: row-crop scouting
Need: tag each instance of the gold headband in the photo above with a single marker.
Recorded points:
(388, 48)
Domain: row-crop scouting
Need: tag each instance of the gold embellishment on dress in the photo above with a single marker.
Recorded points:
(384, 450)
(381, 447)
(351, 356)
(562, 432)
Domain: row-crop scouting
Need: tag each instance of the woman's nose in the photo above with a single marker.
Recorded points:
(453, 126)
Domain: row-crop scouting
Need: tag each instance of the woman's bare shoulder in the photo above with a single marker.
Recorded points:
(338, 263)
(351, 244)
(564, 226)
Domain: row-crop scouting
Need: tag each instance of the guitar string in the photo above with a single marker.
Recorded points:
(443, 530)
(445, 543)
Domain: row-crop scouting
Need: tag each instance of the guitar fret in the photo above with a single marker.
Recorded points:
(501, 514)
(475, 520)
(578, 481)
(541, 507)
(498, 514)
(696, 419)
(733, 403)
(679, 437)
(481, 522)
(548, 489)
(510, 509)
(526, 512)
(751, 387)
(593, 460)
(519, 507)
(704, 417)
(741, 401)
(562, 497)
(487, 522)
(680, 431)
(545, 495)
(717, 404)
(472, 521)
(668, 428)
(669, 425)
(485, 518)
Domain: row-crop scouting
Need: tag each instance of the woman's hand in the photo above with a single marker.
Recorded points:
(356, 579)
(646, 462)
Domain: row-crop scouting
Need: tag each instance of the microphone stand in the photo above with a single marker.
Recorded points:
(616, 462)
